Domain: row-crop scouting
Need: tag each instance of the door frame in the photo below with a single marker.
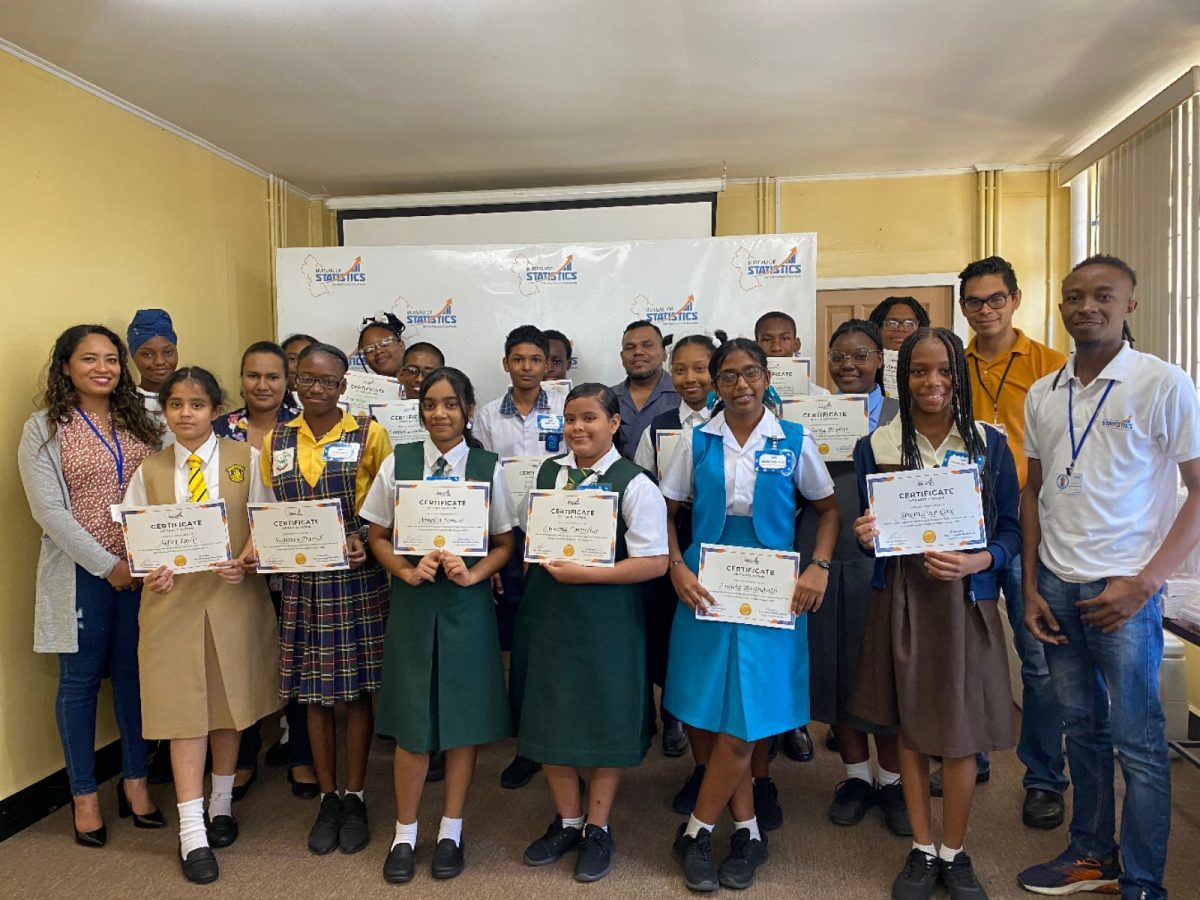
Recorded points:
(929, 279)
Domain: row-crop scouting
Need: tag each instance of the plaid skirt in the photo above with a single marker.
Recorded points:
(331, 628)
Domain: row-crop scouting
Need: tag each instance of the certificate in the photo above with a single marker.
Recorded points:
(790, 375)
(558, 387)
(927, 509)
(836, 422)
(520, 473)
(401, 419)
(304, 536)
(572, 526)
(750, 586)
(185, 536)
(890, 358)
(441, 515)
(365, 388)
(666, 442)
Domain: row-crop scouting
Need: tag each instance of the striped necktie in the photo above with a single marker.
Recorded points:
(441, 467)
(576, 477)
(197, 489)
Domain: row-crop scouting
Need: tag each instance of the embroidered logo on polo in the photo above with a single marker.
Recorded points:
(1125, 424)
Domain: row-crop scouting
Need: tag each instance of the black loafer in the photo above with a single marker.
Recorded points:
(890, 798)
(437, 767)
(831, 741)
(553, 845)
(798, 745)
(353, 835)
(519, 773)
(323, 838)
(305, 790)
(694, 854)
(595, 854)
(766, 804)
(241, 790)
(746, 854)
(851, 801)
(200, 867)
(399, 867)
(222, 830)
(448, 859)
(685, 801)
(1042, 809)
(674, 739)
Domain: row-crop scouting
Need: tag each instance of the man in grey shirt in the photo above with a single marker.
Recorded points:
(647, 390)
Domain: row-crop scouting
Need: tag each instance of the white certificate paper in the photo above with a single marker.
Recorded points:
(401, 419)
(836, 422)
(751, 586)
(666, 443)
(441, 515)
(557, 387)
(790, 375)
(366, 388)
(185, 536)
(890, 358)
(572, 526)
(304, 536)
(520, 474)
(927, 509)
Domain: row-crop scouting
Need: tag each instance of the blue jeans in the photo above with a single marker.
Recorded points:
(1107, 688)
(108, 643)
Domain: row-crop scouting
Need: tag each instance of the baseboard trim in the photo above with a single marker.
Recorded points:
(37, 801)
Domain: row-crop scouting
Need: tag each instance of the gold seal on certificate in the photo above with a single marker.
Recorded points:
(750, 586)
(520, 474)
(401, 419)
(790, 375)
(927, 509)
(572, 526)
(302, 536)
(185, 536)
(666, 442)
(441, 515)
(366, 388)
(835, 422)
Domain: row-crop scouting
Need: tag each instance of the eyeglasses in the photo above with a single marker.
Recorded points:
(975, 304)
(417, 371)
(836, 357)
(379, 345)
(900, 324)
(752, 374)
(326, 381)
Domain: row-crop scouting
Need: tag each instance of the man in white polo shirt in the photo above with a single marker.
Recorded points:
(1105, 438)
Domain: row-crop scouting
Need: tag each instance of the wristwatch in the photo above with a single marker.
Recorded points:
(820, 563)
(674, 563)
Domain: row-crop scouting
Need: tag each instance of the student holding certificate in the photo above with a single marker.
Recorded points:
(745, 471)
(208, 642)
(443, 676)
(579, 690)
(934, 664)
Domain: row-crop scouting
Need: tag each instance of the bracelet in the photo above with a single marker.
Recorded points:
(674, 563)
(820, 564)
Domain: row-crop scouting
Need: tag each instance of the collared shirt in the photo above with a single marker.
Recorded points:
(310, 452)
(210, 466)
(646, 455)
(633, 420)
(501, 428)
(1148, 423)
(886, 445)
(642, 506)
(1004, 405)
(810, 475)
(236, 425)
(380, 505)
(874, 406)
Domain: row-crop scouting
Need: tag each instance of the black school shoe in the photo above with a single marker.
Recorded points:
(553, 845)
(746, 854)
(353, 835)
(1042, 809)
(448, 861)
(851, 800)
(798, 744)
(222, 830)
(400, 865)
(674, 739)
(766, 804)
(890, 798)
(437, 767)
(519, 773)
(685, 801)
(959, 878)
(595, 854)
(916, 880)
(695, 855)
(323, 838)
(200, 867)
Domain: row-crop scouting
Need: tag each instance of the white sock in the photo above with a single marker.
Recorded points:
(573, 823)
(947, 854)
(192, 833)
(884, 778)
(601, 827)
(694, 825)
(751, 824)
(358, 794)
(861, 771)
(406, 834)
(450, 828)
(220, 801)
(927, 849)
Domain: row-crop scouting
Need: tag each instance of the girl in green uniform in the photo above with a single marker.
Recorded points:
(579, 688)
(443, 678)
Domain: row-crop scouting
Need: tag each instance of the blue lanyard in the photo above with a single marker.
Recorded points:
(1075, 448)
(118, 454)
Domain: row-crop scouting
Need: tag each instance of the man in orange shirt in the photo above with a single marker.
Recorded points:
(1004, 364)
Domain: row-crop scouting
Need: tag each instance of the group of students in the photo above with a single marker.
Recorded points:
(907, 651)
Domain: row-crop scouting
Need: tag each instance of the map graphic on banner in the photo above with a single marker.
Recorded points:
(465, 300)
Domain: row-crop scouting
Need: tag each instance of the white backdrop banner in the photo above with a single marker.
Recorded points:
(466, 299)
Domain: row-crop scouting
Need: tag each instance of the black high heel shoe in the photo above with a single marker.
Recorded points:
(124, 810)
(97, 838)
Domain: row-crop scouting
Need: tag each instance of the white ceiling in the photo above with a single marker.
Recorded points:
(370, 96)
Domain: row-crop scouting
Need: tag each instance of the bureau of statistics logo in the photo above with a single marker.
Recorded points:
(684, 314)
(322, 278)
(439, 317)
(533, 278)
(752, 269)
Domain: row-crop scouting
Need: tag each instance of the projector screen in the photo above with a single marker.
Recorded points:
(632, 219)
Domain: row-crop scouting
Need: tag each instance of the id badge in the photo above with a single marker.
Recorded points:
(441, 478)
(594, 487)
(955, 458)
(775, 462)
(1069, 485)
(547, 422)
(341, 452)
(283, 460)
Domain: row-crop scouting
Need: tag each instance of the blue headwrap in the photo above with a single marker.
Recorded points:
(149, 323)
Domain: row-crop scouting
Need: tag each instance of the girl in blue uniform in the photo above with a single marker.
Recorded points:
(745, 470)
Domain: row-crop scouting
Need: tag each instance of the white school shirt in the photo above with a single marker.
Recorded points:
(500, 427)
(135, 494)
(642, 506)
(1149, 423)
(380, 505)
(646, 455)
(810, 475)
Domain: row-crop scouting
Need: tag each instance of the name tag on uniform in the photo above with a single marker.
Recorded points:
(1069, 485)
(776, 462)
(593, 487)
(283, 460)
(441, 478)
(547, 422)
(341, 452)
(955, 458)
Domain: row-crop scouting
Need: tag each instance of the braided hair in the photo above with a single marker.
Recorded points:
(960, 406)
(867, 329)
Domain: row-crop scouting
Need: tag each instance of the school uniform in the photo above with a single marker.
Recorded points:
(579, 691)
(208, 648)
(501, 428)
(934, 661)
(663, 398)
(331, 623)
(743, 680)
(443, 676)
